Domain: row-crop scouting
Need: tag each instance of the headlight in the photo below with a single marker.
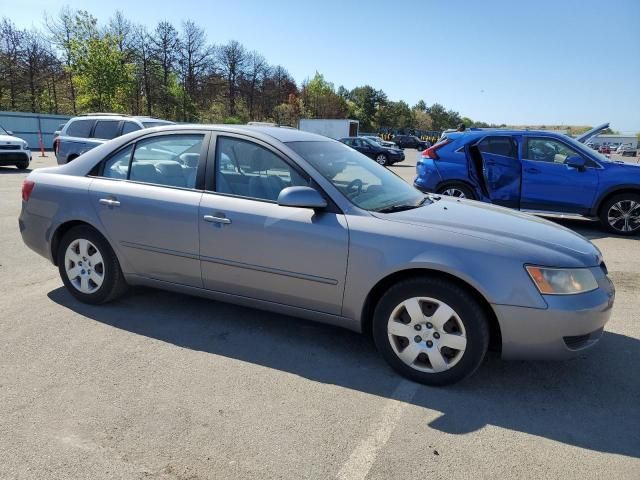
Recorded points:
(562, 281)
(25, 146)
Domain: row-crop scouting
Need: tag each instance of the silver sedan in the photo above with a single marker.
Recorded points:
(303, 225)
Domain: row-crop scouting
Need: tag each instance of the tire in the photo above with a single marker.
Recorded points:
(625, 208)
(435, 364)
(382, 159)
(22, 165)
(458, 190)
(103, 277)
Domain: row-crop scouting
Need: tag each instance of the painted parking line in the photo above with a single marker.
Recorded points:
(362, 458)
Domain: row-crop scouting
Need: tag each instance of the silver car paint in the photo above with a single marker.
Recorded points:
(323, 265)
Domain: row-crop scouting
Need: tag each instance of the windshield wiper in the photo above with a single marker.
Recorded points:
(402, 206)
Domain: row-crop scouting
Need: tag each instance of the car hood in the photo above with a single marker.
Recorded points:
(535, 239)
(11, 139)
(586, 136)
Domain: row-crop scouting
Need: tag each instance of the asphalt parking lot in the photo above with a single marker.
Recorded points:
(163, 386)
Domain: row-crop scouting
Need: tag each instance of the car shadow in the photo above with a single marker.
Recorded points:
(590, 402)
(13, 171)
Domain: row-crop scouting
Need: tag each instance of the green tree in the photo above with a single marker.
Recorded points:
(101, 75)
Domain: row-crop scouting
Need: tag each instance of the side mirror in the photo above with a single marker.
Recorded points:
(301, 197)
(575, 162)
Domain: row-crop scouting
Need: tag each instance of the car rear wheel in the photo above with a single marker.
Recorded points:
(457, 190)
(431, 330)
(621, 214)
(381, 158)
(88, 266)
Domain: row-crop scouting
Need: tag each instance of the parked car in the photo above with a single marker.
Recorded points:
(82, 133)
(410, 141)
(604, 149)
(540, 172)
(380, 141)
(626, 150)
(56, 134)
(13, 150)
(300, 224)
(382, 155)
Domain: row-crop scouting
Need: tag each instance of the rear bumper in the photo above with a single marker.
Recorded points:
(11, 157)
(35, 231)
(571, 324)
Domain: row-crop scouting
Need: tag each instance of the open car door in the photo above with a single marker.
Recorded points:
(586, 136)
(495, 170)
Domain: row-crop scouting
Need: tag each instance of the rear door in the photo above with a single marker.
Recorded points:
(549, 184)
(147, 197)
(495, 169)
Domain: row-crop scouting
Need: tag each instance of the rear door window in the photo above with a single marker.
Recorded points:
(106, 129)
(504, 146)
(80, 128)
(129, 127)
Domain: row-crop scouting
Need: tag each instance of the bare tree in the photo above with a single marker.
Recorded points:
(195, 60)
(12, 40)
(232, 61)
(166, 43)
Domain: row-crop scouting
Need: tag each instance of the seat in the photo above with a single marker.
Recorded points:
(144, 172)
(171, 173)
(264, 186)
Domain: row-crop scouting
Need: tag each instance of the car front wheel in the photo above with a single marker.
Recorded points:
(89, 267)
(22, 165)
(431, 330)
(621, 214)
(381, 158)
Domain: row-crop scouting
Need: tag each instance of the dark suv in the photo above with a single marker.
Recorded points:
(410, 141)
(81, 134)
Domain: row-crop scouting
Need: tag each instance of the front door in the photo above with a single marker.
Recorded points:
(549, 184)
(146, 199)
(496, 170)
(250, 246)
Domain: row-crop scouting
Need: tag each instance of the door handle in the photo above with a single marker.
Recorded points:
(212, 219)
(532, 170)
(109, 202)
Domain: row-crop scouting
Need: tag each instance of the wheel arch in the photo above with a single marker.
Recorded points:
(62, 229)
(617, 190)
(495, 334)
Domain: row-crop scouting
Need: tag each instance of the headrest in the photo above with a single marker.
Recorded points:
(190, 159)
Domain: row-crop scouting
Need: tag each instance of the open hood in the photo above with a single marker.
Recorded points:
(586, 136)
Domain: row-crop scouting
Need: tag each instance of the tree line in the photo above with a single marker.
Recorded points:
(74, 65)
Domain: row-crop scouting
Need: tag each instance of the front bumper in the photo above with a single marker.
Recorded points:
(11, 157)
(570, 325)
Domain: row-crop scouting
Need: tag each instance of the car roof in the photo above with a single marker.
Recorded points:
(104, 116)
(282, 134)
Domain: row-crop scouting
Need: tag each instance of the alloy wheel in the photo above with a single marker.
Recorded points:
(381, 159)
(624, 216)
(84, 266)
(427, 334)
(454, 192)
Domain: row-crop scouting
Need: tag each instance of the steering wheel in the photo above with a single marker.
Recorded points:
(354, 187)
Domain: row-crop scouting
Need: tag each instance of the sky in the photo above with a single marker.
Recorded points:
(535, 62)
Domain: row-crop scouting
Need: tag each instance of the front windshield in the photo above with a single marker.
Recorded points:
(364, 182)
(371, 142)
(2, 130)
(583, 148)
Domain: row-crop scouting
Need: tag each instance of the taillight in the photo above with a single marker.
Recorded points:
(432, 152)
(27, 188)
(55, 146)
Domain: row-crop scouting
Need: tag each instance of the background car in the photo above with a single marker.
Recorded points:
(626, 150)
(82, 133)
(539, 172)
(56, 134)
(14, 150)
(380, 141)
(316, 230)
(382, 155)
(410, 141)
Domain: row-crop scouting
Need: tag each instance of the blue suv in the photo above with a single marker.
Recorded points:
(82, 133)
(538, 172)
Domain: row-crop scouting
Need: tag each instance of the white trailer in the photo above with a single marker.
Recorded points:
(329, 127)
